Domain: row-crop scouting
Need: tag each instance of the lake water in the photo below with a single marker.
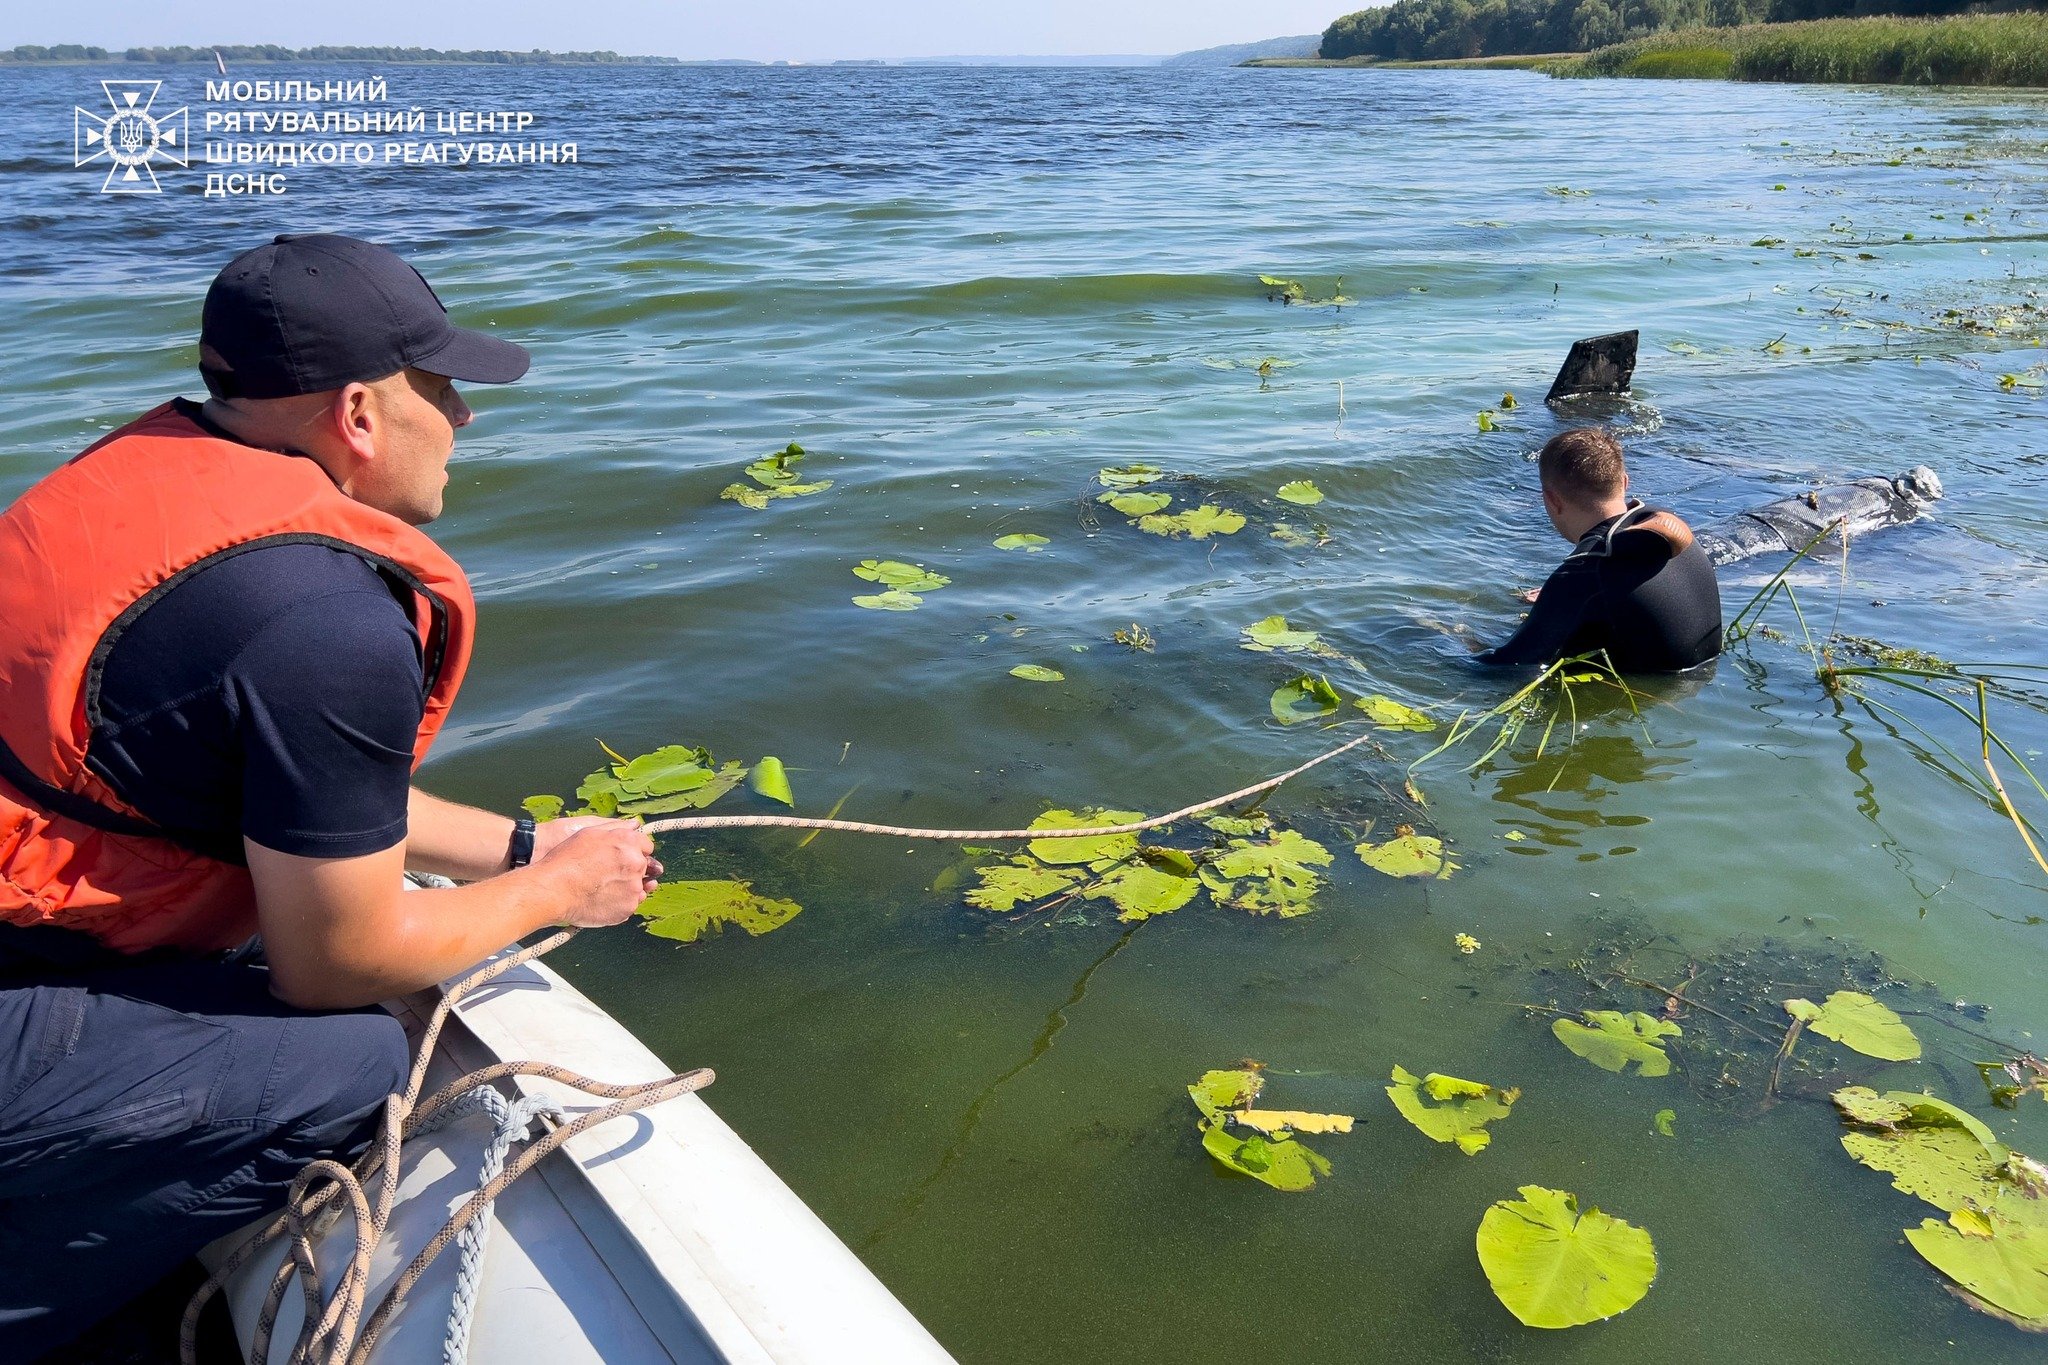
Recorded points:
(964, 292)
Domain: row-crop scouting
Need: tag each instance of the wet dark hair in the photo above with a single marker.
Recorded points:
(1583, 465)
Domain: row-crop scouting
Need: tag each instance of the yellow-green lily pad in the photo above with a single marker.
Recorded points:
(1859, 1023)
(1129, 476)
(1037, 673)
(1086, 848)
(1388, 714)
(1273, 876)
(770, 779)
(1408, 855)
(1274, 636)
(1302, 493)
(1197, 524)
(1449, 1109)
(1614, 1041)
(1308, 697)
(1022, 540)
(688, 911)
(1284, 1164)
(893, 600)
(897, 576)
(1553, 1266)
(1137, 504)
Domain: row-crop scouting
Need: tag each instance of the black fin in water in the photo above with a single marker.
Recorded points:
(1596, 365)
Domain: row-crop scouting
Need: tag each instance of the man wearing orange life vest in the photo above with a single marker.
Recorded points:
(224, 646)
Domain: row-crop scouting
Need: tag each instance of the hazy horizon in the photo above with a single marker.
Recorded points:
(810, 31)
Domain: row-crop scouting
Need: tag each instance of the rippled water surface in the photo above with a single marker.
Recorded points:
(964, 292)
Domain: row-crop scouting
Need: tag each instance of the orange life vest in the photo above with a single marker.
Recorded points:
(82, 554)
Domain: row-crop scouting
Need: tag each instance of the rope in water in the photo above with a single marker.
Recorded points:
(696, 822)
(334, 1331)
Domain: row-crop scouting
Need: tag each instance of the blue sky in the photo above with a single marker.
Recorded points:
(794, 30)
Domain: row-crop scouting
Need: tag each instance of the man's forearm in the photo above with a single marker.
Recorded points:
(455, 841)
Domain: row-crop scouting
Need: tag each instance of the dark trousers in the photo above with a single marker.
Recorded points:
(146, 1110)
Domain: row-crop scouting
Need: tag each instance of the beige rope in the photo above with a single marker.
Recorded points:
(329, 1335)
(695, 822)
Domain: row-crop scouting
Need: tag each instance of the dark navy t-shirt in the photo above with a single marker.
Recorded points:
(274, 694)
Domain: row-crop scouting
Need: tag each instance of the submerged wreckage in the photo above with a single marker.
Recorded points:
(1602, 366)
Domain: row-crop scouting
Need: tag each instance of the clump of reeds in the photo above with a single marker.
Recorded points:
(1964, 49)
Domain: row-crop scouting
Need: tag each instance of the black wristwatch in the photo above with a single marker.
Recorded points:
(522, 840)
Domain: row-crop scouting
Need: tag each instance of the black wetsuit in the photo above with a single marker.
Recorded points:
(1637, 586)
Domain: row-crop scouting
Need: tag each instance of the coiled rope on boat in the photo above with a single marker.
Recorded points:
(334, 1331)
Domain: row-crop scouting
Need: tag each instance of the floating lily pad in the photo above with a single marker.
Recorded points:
(1137, 504)
(1552, 1266)
(1285, 1164)
(1129, 476)
(672, 778)
(1999, 1264)
(1295, 538)
(1994, 1245)
(1220, 1090)
(542, 808)
(1243, 826)
(1301, 492)
(1273, 876)
(1931, 1149)
(774, 476)
(1389, 714)
(1022, 540)
(1408, 855)
(770, 779)
(1142, 889)
(1037, 673)
(1020, 881)
(1449, 1109)
(689, 910)
(1859, 1023)
(1308, 697)
(1613, 1041)
(1666, 1123)
(1087, 849)
(897, 576)
(1274, 636)
(893, 600)
(1198, 524)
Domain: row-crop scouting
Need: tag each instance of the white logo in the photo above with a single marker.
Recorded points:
(130, 137)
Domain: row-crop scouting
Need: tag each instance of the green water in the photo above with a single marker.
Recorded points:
(964, 292)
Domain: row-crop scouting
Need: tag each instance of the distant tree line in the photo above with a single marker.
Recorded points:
(1425, 30)
(267, 52)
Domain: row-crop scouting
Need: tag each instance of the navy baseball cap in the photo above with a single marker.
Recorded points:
(314, 311)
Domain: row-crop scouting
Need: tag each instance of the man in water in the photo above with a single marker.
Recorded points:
(224, 646)
(1635, 584)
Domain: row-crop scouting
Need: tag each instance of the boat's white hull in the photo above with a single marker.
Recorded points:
(659, 1237)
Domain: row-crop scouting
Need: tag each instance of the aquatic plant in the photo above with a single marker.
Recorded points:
(1449, 1109)
(1246, 864)
(1553, 1266)
(902, 584)
(1557, 686)
(1994, 1245)
(1269, 1152)
(774, 476)
(1914, 672)
(1977, 49)
(688, 911)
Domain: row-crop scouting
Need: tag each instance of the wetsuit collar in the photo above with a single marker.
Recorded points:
(1599, 542)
